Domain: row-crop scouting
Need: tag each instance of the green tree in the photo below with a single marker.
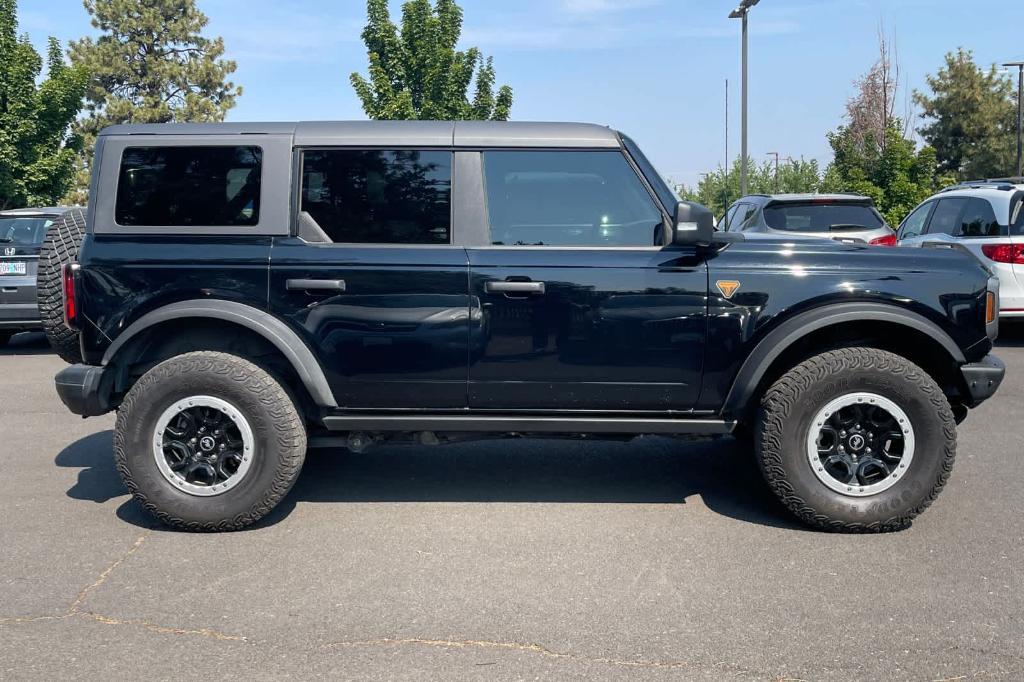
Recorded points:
(37, 150)
(150, 65)
(970, 117)
(417, 73)
(892, 171)
(718, 189)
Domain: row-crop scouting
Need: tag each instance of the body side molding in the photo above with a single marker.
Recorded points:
(798, 326)
(517, 423)
(263, 323)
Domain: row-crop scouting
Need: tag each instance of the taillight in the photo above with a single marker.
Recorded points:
(70, 306)
(887, 240)
(1004, 253)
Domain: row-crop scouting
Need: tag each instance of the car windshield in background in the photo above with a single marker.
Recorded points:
(25, 231)
(821, 217)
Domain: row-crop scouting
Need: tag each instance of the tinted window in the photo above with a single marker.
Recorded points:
(1017, 217)
(568, 199)
(979, 220)
(744, 217)
(913, 224)
(23, 230)
(189, 186)
(379, 197)
(726, 222)
(821, 217)
(946, 218)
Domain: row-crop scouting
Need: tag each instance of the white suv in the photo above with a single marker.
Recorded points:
(984, 218)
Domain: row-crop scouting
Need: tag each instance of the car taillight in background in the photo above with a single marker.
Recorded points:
(887, 240)
(68, 271)
(1004, 253)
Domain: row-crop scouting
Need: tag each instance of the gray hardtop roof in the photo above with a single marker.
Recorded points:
(398, 133)
(32, 211)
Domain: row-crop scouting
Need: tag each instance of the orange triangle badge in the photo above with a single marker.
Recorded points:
(728, 287)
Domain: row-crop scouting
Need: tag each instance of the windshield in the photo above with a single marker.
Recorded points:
(658, 182)
(25, 231)
(821, 217)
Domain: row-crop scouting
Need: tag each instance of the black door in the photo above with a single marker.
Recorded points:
(374, 282)
(581, 307)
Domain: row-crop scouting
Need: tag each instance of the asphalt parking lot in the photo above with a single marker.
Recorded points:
(655, 559)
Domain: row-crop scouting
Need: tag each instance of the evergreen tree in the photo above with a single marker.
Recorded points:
(417, 73)
(152, 64)
(970, 118)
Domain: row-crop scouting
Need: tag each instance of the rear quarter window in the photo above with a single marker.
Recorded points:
(216, 186)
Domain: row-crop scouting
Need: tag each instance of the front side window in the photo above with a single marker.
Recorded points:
(946, 218)
(979, 220)
(189, 186)
(568, 198)
(913, 225)
(377, 196)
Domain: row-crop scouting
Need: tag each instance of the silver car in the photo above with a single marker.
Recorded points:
(21, 236)
(984, 218)
(844, 217)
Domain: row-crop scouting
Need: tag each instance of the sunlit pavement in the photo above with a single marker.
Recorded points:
(655, 559)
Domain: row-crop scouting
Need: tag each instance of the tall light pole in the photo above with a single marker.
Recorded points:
(776, 155)
(741, 13)
(1020, 114)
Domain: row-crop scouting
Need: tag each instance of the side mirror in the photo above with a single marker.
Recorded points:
(694, 225)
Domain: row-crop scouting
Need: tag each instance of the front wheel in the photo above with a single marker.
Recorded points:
(856, 440)
(208, 442)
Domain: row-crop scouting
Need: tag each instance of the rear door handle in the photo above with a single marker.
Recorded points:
(514, 287)
(336, 285)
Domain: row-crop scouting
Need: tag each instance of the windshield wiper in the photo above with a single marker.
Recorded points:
(848, 226)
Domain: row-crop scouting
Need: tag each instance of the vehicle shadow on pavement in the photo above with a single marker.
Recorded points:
(28, 343)
(722, 474)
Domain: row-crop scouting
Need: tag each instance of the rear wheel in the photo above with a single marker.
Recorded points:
(208, 442)
(60, 247)
(856, 440)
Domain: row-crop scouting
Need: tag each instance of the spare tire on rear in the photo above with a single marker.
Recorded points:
(63, 239)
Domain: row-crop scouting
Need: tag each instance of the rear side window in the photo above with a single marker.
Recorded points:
(816, 216)
(189, 186)
(379, 197)
(1017, 217)
(979, 220)
(946, 218)
(568, 198)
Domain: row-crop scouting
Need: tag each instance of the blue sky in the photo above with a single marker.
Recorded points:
(655, 69)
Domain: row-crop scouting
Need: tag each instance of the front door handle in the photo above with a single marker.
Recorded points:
(336, 285)
(514, 287)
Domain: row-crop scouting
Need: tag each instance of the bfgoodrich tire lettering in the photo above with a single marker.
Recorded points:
(60, 247)
(279, 436)
(788, 407)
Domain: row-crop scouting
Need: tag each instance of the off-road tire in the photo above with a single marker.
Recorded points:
(278, 430)
(63, 239)
(788, 407)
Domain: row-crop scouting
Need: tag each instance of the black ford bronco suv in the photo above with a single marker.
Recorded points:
(240, 291)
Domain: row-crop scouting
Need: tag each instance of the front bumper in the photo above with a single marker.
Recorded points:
(84, 389)
(982, 378)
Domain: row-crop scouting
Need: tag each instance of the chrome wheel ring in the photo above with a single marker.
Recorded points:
(860, 444)
(203, 445)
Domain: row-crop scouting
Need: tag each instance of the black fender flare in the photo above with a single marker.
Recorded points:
(263, 323)
(792, 330)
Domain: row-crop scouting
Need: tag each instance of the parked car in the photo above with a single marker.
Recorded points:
(243, 289)
(845, 217)
(21, 236)
(984, 218)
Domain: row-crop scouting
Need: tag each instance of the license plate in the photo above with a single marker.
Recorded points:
(12, 269)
